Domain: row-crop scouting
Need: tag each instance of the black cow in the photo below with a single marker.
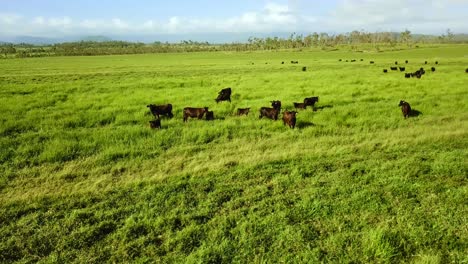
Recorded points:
(436, 62)
(300, 105)
(304, 68)
(209, 115)
(276, 105)
(311, 100)
(289, 118)
(433, 69)
(155, 123)
(353, 60)
(407, 75)
(224, 95)
(282, 62)
(268, 112)
(243, 111)
(362, 59)
(406, 61)
(385, 70)
(402, 69)
(194, 112)
(371, 62)
(405, 108)
(466, 71)
(158, 110)
(394, 68)
(396, 62)
(425, 62)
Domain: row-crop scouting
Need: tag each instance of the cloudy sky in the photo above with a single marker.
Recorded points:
(61, 18)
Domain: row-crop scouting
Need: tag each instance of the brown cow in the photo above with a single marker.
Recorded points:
(289, 118)
(405, 108)
(158, 110)
(224, 95)
(243, 111)
(300, 105)
(155, 123)
(194, 112)
(268, 112)
(209, 115)
(311, 100)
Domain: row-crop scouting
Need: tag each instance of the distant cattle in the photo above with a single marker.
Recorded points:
(406, 61)
(425, 62)
(304, 68)
(276, 105)
(224, 95)
(282, 62)
(209, 115)
(394, 68)
(155, 123)
(268, 112)
(362, 59)
(405, 108)
(402, 68)
(436, 62)
(385, 70)
(243, 111)
(194, 112)
(300, 105)
(396, 62)
(158, 110)
(466, 71)
(346, 60)
(311, 100)
(289, 118)
(371, 62)
(340, 60)
(407, 75)
(294, 62)
(353, 60)
(433, 69)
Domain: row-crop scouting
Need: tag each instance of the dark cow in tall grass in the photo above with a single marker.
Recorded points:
(194, 112)
(276, 105)
(433, 69)
(158, 110)
(224, 95)
(406, 61)
(466, 71)
(243, 111)
(394, 68)
(311, 100)
(300, 105)
(209, 115)
(402, 69)
(396, 62)
(304, 68)
(385, 70)
(271, 113)
(405, 108)
(154, 124)
(371, 62)
(407, 75)
(289, 118)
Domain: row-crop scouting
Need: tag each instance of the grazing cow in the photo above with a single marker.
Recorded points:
(289, 118)
(311, 100)
(405, 108)
(371, 62)
(276, 105)
(294, 62)
(282, 62)
(304, 68)
(300, 105)
(433, 69)
(340, 60)
(394, 68)
(353, 60)
(243, 111)
(436, 62)
(406, 61)
(194, 112)
(396, 62)
(155, 123)
(425, 62)
(402, 68)
(224, 95)
(158, 110)
(362, 59)
(268, 112)
(209, 115)
(385, 70)
(407, 75)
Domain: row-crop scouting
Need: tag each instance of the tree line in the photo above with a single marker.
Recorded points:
(355, 40)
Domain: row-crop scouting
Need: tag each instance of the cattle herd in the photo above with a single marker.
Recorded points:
(273, 112)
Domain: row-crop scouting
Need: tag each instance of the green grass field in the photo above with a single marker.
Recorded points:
(84, 179)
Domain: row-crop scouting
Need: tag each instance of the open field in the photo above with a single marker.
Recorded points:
(84, 179)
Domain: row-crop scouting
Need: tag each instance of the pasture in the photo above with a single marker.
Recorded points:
(84, 179)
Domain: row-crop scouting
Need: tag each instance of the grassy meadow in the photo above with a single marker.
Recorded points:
(83, 179)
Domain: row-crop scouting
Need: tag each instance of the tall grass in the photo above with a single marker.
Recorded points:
(84, 179)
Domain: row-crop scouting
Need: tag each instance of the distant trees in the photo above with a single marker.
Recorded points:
(355, 40)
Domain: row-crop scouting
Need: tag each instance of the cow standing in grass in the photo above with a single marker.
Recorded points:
(243, 111)
(270, 113)
(289, 118)
(158, 110)
(224, 95)
(194, 112)
(405, 108)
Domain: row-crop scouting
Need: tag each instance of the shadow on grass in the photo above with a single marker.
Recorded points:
(304, 124)
(415, 113)
(316, 108)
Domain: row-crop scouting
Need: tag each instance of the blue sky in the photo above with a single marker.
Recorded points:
(61, 18)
